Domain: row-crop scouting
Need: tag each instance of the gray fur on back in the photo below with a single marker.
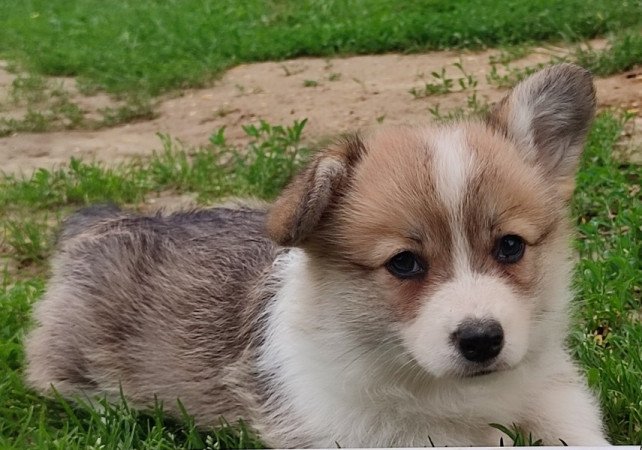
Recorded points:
(165, 305)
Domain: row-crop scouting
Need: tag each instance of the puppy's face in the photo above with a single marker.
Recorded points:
(455, 232)
(452, 238)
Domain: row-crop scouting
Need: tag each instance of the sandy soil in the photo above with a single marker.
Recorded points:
(348, 94)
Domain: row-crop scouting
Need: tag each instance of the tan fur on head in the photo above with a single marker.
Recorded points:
(547, 117)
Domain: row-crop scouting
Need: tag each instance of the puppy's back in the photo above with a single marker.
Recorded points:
(162, 305)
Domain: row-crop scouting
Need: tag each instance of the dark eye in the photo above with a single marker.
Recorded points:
(405, 265)
(509, 249)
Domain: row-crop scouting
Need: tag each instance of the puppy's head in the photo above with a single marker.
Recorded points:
(451, 238)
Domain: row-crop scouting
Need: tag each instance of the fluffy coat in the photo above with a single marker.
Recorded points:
(291, 316)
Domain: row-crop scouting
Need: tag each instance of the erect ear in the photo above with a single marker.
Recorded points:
(548, 116)
(312, 192)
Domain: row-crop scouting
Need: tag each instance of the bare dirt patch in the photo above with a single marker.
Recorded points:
(336, 95)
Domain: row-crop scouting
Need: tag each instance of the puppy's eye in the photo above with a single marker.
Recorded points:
(405, 265)
(509, 249)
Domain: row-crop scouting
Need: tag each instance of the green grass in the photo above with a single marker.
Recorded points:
(624, 53)
(215, 171)
(147, 46)
(607, 330)
(48, 106)
(609, 278)
(137, 49)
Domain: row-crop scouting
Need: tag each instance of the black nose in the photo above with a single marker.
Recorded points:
(479, 340)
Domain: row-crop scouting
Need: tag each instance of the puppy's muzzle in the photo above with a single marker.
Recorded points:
(479, 340)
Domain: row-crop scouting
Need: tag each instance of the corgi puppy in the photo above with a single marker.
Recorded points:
(409, 287)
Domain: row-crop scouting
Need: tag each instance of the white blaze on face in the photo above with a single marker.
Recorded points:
(453, 163)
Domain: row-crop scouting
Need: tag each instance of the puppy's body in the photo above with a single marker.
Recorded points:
(394, 310)
(161, 305)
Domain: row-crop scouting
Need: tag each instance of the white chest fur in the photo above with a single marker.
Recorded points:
(333, 391)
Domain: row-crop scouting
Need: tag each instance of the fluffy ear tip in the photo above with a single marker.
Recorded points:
(576, 77)
(569, 70)
(548, 116)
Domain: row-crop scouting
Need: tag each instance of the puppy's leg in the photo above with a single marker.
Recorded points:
(566, 410)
